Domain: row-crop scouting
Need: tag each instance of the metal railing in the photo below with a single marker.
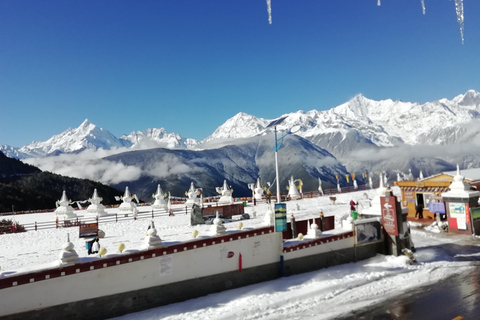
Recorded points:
(124, 216)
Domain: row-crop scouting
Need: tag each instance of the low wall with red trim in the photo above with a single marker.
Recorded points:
(129, 282)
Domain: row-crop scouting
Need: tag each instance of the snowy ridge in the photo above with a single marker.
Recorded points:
(86, 136)
(158, 137)
(356, 124)
(241, 125)
(385, 123)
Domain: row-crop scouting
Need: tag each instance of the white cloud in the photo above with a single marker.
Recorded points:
(87, 165)
(170, 165)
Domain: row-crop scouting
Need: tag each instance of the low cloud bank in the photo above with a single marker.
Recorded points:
(90, 164)
(417, 151)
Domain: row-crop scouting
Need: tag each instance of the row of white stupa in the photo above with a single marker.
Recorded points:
(162, 201)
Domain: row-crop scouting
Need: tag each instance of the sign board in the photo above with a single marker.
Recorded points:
(475, 213)
(389, 215)
(280, 217)
(196, 216)
(457, 210)
(226, 211)
(88, 230)
(457, 216)
(436, 207)
(368, 231)
(409, 196)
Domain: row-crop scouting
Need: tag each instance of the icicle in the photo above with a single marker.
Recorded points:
(379, 3)
(459, 9)
(269, 10)
(423, 6)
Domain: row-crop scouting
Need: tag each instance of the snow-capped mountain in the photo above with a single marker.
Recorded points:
(363, 134)
(241, 125)
(90, 136)
(158, 137)
(86, 136)
(365, 123)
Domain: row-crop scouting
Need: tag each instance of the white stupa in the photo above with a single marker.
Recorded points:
(68, 255)
(159, 202)
(226, 193)
(320, 190)
(218, 228)
(292, 189)
(128, 204)
(258, 191)
(269, 218)
(192, 196)
(152, 240)
(64, 209)
(459, 188)
(96, 208)
(314, 231)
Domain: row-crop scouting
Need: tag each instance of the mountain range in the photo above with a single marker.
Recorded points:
(360, 135)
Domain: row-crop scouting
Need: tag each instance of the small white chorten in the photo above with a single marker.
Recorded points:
(314, 231)
(192, 195)
(320, 190)
(226, 193)
(152, 240)
(258, 191)
(218, 228)
(68, 255)
(96, 207)
(269, 218)
(159, 202)
(459, 188)
(64, 208)
(293, 190)
(127, 204)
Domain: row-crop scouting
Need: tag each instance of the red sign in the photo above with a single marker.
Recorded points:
(226, 211)
(389, 215)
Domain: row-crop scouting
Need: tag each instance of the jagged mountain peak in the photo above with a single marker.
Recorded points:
(470, 98)
(240, 125)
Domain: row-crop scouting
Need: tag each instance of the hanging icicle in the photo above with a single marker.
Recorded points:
(423, 6)
(459, 9)
(379, 3)
(269, 10)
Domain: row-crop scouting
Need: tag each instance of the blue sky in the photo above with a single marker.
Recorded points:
(190, 65)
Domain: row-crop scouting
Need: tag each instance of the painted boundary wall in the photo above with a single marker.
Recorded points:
(130, 282)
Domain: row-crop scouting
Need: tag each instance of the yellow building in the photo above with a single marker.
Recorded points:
(430, 189)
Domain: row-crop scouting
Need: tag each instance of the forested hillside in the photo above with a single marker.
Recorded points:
(25, 187)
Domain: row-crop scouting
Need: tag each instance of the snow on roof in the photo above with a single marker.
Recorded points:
(469, 174)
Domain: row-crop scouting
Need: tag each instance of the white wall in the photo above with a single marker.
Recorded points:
(256, 250)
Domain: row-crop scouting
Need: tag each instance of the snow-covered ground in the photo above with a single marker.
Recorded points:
(323, 294)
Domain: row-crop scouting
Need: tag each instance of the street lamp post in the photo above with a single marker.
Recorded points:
(276, 166)
(278, 145)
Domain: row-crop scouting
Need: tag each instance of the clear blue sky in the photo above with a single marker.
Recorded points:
(190, 65)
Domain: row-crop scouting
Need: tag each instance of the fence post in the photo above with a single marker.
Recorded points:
(152, 213)
(35, 225)
(116, 218)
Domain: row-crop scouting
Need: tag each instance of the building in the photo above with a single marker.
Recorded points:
(430, 189)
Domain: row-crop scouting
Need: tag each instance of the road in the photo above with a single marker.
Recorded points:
(456, 297)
